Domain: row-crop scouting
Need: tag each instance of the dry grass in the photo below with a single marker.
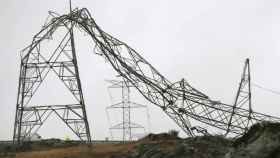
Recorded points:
(81, 151)
(91, 151)
(95, 150)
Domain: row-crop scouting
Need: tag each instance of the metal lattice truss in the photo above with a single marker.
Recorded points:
(36, 63)
(243, 99)
(179, 100)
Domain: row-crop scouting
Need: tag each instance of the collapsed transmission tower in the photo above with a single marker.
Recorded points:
(179, 100)
(126, 105)
(243, 99)
(36, 64)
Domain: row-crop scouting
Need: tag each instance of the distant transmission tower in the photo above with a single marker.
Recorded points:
(36, 63)
(126, 126)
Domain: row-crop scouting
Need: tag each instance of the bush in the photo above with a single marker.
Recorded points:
(173, 133)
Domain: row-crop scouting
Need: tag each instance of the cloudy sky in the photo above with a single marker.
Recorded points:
(204, 41)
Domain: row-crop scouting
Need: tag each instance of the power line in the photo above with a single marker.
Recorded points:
(266, 89)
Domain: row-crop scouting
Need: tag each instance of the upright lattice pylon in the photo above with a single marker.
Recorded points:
(36, 63)
(126, 126)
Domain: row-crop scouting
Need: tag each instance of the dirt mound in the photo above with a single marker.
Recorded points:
(198, 147)
(261, 141)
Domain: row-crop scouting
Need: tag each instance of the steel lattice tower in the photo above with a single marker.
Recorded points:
(126, 126)
(183, 103)
(243, 99)
(34, 68)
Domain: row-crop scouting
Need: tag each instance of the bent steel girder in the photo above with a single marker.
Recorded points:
(179, 100)
(36, 64)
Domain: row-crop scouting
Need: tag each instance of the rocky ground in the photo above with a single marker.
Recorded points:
(261, 141)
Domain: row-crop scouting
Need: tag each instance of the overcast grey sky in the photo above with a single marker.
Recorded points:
(204, 41)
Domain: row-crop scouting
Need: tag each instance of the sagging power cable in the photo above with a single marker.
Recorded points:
(266, 89)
